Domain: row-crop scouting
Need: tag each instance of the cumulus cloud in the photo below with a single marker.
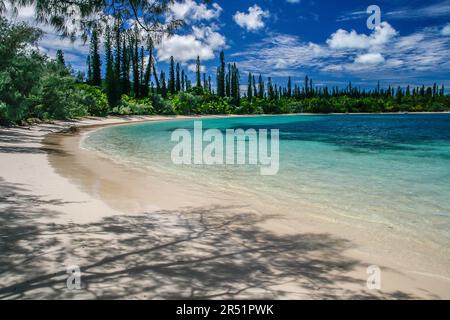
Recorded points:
(446, 30)
(343, 39)
(423, 51)
(202, 42)
(383, 54)
(253, 20)
(369, 58)
(190, 10)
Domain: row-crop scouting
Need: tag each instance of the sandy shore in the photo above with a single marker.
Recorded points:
(137, 235)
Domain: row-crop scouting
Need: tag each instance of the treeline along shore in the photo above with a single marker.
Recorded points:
(124, 80)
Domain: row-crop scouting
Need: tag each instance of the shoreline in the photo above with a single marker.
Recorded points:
(341, 273)
(145, 118)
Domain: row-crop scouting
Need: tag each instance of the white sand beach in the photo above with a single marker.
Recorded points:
(135, 235)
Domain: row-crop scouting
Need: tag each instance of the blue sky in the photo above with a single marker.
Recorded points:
(327, 40)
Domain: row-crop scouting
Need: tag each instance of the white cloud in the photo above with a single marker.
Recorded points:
(446, 30)
(384, 54)
(423, 51)
(190, 10)
(202, 42)
(193, 68)
(409, 42)
(435, 10)
(281, 54)
(369, 59)
(253, 20)
(428, 11)
(343, 39)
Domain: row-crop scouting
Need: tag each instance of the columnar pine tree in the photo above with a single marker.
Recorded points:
(198, 69)
(89, 74)
(155, 76)
(118, 52)
(221, 76)
(408, 91)
(125, 68)
(188, 83)
(111, 83)
(126, 54)
(148, 69)
(163, 85)
(228, 82)
(95, 59)
(135, 62)
(172, 84)
(270, 89)
(60, 58)
(178, 80)
(307, 86)
(235, 85)
(142, 90)
(261, 89)
(183, 82)
(250, 88)
(205, 82)
(289, 88)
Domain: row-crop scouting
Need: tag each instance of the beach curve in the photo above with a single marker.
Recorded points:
(75, 219)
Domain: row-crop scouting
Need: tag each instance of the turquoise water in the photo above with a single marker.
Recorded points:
(388, 169)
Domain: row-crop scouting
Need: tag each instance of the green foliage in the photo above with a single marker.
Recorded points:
(198, 91)
(57, 97)
(34, 86)
(250, 107)
(95, 60)
(112, 82)
(172, 82)
(60, 58)
(3, 113)
(131, 106)
(187, 103)
(31, 85)
(61, 14)
(19, 70)
(95, 100)
(161, 106)
(218, 106)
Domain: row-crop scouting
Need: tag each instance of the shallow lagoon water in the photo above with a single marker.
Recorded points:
(384, 169)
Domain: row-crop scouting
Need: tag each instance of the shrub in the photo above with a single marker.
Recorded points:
(57, 97)
(3, 114)
(131, 106)
(161, 106)
(248, 107)
(95, 100)
(187, 103)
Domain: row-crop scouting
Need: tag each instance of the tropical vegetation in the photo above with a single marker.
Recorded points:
(123, 79)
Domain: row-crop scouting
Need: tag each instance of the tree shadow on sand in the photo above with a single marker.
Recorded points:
(23, 141)
(196, 253)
